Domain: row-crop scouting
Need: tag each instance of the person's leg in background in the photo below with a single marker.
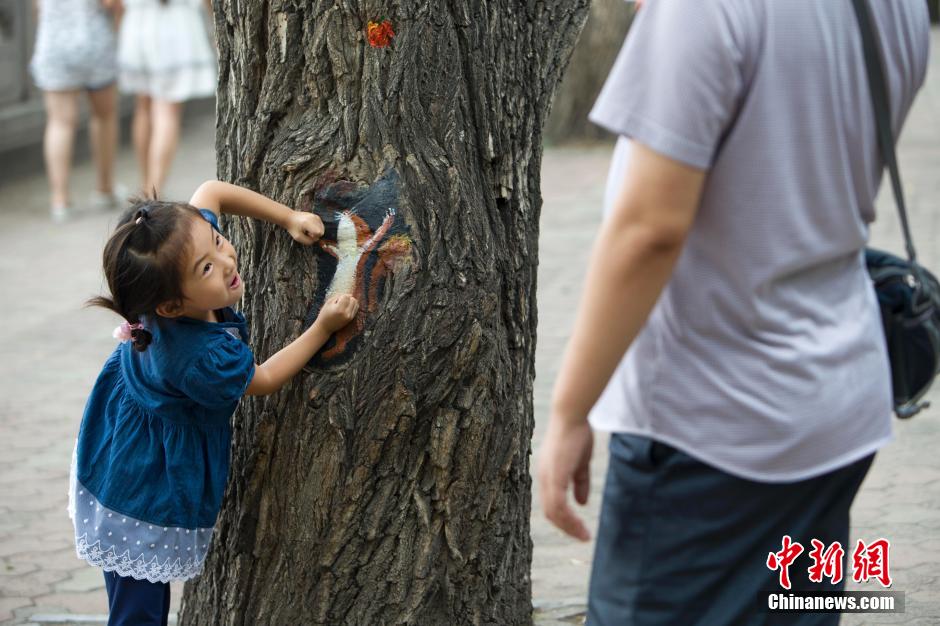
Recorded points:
(58, 139)
(165, 131)
(134, 602)
(103, 131)
(140, 134)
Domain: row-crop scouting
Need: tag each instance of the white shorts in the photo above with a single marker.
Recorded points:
(75, 47)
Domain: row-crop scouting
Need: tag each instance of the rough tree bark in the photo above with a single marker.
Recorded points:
(392, 486)
(607, 25)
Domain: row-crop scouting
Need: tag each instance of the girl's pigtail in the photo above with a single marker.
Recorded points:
(103, 302)
(141, 338)
(141, 215)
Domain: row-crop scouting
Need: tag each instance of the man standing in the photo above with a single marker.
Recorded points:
(729, 335)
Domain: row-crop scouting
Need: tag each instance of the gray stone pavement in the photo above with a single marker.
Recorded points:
(52, 349)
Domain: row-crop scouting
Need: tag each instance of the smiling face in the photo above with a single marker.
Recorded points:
(210, 275)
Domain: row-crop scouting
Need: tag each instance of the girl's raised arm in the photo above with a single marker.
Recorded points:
(221, 197)
(274, 373)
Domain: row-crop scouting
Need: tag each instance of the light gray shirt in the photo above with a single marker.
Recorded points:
(764, 356)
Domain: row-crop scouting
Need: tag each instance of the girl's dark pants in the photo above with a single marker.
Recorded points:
(134, 602)
(681, 542)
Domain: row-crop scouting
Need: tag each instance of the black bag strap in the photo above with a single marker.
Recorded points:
(879, 99)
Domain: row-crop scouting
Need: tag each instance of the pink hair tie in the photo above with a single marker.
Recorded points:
(123, 332)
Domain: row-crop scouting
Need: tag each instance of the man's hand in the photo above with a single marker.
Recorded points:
(305, 228)
(565, 459)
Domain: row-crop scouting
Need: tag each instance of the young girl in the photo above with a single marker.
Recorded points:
(152, 455)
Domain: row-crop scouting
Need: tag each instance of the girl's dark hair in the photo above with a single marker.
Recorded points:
(143, 261)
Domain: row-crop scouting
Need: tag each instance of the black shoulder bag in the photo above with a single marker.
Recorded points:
(909, 295)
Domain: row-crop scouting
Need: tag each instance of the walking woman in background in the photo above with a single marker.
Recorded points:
(75, 52)
(165, 58)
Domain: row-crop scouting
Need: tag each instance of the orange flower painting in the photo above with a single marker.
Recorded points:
(380, 33)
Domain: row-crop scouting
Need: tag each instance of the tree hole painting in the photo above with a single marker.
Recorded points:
(365, 239)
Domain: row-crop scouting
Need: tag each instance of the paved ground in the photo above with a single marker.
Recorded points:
(52, 350)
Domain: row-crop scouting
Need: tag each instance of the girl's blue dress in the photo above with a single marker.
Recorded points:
(152, 456)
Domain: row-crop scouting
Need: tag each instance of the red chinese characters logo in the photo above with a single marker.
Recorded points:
(826, 563)
(871, 561)
(782, 560)
(868, 561)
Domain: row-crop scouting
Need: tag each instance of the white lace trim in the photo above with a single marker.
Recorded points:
(73, 471)
(140, 568)
(132, 547)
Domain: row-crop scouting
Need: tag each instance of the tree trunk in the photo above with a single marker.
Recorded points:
(603, 36)
(389, 482)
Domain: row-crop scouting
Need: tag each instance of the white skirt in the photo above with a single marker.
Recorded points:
(164, 51)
